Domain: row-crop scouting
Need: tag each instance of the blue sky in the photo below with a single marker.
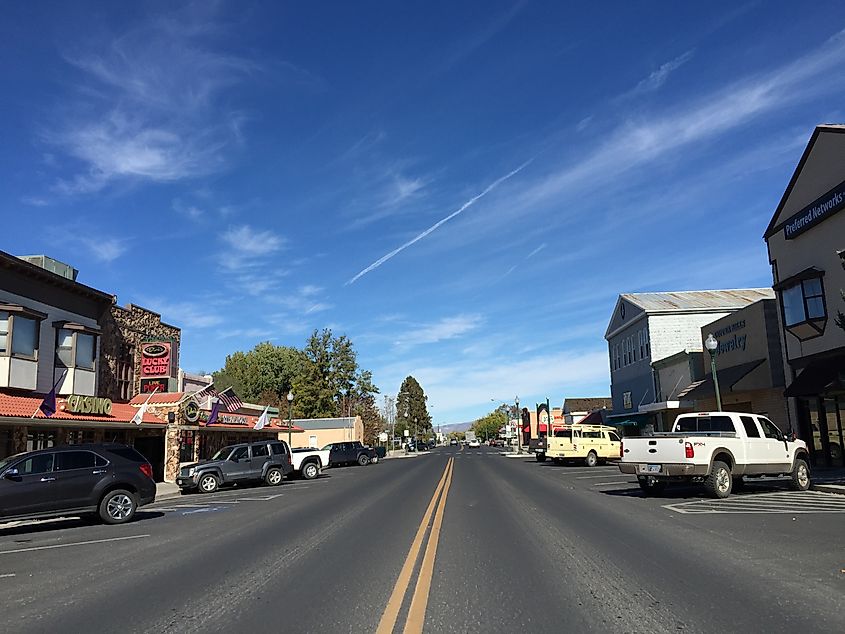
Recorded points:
(462, 188)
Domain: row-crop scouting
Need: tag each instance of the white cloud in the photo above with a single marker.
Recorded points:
(658, 77)
(246, 244)
(148, 106)
(191, 212)
(106, 249)
(188, 315)
(442, 330)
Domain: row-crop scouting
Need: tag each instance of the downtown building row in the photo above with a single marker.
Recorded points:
(780, 350)
(105, 361)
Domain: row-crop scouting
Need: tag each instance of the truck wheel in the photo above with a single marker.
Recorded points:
(363, 460)
(208, 483)
(592, 459)
(651, 486)
(800, 479)
(310, 470)
(274, 476)
(541, 457)
(718, 482)
(117, 507)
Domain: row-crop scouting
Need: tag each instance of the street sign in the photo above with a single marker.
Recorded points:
(407, 433)
(382, 437)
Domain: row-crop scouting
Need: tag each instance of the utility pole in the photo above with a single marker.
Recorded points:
(518, 428)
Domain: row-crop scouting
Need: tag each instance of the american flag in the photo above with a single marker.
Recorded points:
(227, 397)
(230, 400)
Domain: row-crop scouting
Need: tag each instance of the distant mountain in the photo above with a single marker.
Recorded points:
(448, 429)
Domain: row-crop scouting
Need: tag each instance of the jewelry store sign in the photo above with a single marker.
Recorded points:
(817, 211)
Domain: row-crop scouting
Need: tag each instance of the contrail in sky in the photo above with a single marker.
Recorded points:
(436, 225)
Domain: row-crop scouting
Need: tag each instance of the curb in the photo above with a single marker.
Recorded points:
(839, 489)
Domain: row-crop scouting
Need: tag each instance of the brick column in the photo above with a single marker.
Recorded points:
(171, 453)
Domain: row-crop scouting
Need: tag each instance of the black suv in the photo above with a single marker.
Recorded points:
(109, 480)
(268, 461)
(351, 452)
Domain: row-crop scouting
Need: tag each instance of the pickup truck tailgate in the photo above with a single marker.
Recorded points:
(652, 449)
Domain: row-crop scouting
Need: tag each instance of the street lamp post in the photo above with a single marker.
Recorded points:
(415, 432)
(712, 345)
(290, 416)
(518, 427)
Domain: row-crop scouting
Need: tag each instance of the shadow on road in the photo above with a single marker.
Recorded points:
(64, 523)
(686, 492)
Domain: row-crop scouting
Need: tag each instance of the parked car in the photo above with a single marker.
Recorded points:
(716, 449)
(453, 442)
(474, 443)
(308, 462)
(109, 480)
(350, 452)
(267, 461)
(590, 443)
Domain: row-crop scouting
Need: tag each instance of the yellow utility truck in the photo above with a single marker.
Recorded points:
(590, 443)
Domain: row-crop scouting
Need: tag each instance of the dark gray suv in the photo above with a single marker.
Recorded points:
(109, 480)
(266, 461)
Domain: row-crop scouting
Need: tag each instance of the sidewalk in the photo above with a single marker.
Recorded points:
(166, 490)
(829, 480)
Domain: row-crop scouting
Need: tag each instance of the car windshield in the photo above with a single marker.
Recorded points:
(327, 448)
(222, 454)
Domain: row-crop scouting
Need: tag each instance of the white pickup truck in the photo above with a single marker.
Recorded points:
(309, 462)
(716, 449)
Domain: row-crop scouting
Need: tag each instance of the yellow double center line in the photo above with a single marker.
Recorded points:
(416, 613)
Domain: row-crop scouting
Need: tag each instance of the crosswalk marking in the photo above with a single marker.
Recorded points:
(795, 502)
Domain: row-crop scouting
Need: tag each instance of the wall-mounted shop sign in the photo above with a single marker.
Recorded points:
(77, 404)
(155, 358)
(820, 209)
(148, 386)
(191, 411)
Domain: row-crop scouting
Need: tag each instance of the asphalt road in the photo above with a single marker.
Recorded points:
(454, 541)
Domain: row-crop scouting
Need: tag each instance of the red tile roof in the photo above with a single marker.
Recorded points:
(159, 398)
(23, 406)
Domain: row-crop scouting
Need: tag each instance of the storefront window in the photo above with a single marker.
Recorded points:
(186, 446)
(40, 440)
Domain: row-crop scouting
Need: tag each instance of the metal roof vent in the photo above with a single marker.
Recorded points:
(49, 264)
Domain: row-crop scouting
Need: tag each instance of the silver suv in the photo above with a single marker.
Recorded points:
(267, 461)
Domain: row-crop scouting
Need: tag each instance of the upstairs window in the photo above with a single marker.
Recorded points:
(19, 329)
(75, 349)
(804, 309)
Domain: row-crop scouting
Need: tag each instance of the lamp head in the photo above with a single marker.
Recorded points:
(711, 343)
(290, 397)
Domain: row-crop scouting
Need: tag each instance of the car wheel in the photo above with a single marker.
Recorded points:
(719, 482)
(208, 483)
(651, 486)
(592, 459)
(541, 457)
(117, 507)
(274, 476)
(363, 460)
(310, 471)
(800, 479)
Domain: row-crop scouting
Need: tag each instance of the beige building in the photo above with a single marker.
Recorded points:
(749, 365)
(319, 432)
(806, 243)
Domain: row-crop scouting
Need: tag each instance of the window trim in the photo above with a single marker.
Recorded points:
(75, 330)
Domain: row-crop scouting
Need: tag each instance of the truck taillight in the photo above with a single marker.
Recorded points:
(621, 449)
(688, 450)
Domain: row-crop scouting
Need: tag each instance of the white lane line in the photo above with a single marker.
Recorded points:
(93, 541)
(7, 575)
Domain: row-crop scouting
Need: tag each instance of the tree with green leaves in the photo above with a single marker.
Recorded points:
(411, 410)
(264, 374)
(488, 426)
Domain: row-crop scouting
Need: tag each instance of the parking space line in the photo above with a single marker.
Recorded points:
(93, 541)
(608, 484)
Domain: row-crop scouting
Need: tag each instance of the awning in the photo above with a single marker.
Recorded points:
(664, 406)
(818, 378)
(728, 377)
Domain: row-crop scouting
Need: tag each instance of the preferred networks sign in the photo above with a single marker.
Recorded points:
(820, 209)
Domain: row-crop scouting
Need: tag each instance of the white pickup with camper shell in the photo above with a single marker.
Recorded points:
(716, 449)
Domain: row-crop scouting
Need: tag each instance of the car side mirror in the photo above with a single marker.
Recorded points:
(11, 473)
